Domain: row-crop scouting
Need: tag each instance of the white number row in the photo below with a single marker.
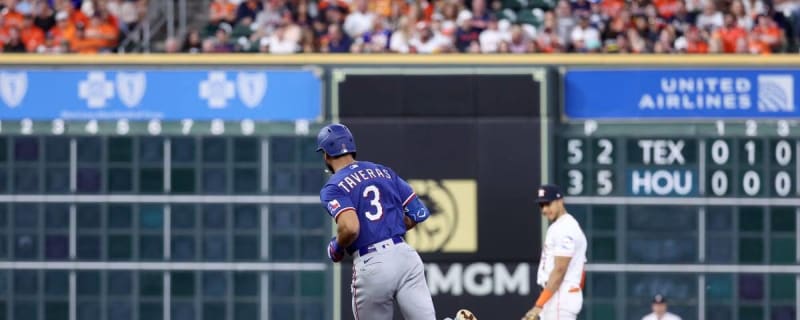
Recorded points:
(782, 128)
(576, 186)
(154, 127)
(751, 183)
(720, 152)
(576, 153)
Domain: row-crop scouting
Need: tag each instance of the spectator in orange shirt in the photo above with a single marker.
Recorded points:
(768, 32)
(82, 44)
(742, 45)
(75, 16)
(422, 10)
(64, 30)
(667, 8)
(12, 17)
(3, 32)
(612, 8)
(616, 26)
(389, 8)
(730, 34)
(31, 35)
(325, 4)
(756, 46)
(221, 11)
(108, 17)
(101, 34)
(692, 42)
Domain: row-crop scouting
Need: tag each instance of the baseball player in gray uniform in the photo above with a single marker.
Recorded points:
(373, 207)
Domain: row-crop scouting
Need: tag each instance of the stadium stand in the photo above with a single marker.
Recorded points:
(507, 26)
(421, 26)
(59, 26)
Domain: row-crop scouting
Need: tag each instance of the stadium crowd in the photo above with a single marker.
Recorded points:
(419, 26)
(497, 26)
(62, 26)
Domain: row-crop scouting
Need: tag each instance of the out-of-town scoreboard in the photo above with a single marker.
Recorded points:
(135, 193)
(687, 182)
(719, 162)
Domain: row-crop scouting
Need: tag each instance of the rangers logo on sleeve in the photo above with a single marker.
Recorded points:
(333, 205)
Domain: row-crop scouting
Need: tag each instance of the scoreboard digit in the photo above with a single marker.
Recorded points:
(719, 175)
(590, 166)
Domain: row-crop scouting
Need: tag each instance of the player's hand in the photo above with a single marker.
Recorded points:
(335, 252)
(533, 314)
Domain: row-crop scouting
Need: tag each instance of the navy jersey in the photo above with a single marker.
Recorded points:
(377, 195)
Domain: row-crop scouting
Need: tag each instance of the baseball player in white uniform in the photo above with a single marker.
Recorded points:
(660, 310)
(561, 267)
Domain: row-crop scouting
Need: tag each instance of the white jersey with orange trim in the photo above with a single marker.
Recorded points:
(564, 238)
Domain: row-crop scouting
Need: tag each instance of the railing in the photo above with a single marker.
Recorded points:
(161, 21)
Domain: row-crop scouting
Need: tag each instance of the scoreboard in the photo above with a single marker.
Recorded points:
(713, 163)
(182, 194)
(686, 184)
(682, 206)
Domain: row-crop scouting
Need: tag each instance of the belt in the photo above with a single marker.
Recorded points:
(371, 248)
(572, 289)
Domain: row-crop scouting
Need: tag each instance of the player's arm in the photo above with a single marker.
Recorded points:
(415, 211)
(560, 265)
(343, 213)
(410, 224)
(347, 227)
(563, 252)
(557, 276)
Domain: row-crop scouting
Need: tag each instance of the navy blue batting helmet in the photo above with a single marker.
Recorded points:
(336, 140)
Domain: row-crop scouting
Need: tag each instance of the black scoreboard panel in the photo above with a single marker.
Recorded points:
(447, 127)
(721, 194)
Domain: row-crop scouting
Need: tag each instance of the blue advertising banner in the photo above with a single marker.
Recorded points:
(264, 95)
(682, 94)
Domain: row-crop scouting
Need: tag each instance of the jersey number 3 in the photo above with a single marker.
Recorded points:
(372, 192)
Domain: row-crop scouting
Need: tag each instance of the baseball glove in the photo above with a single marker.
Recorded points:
(465, 314)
